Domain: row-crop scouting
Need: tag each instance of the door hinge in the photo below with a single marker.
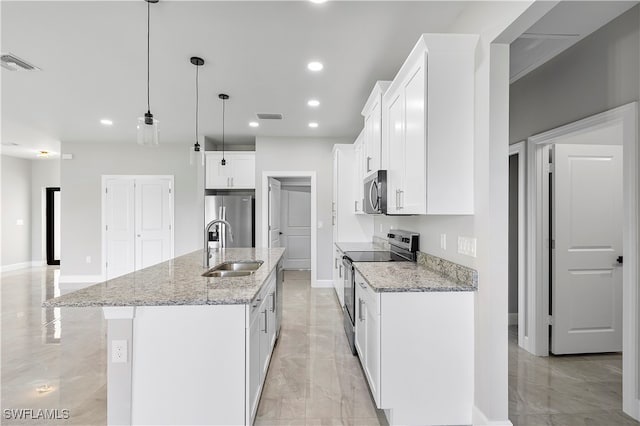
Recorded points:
(550, 168)
(106, 227)
(552, 244)
(269, 188)
(169, 190)
(549, 319)
(269, 227)
(106, 190)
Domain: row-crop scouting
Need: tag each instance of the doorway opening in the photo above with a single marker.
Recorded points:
(52, 214)
(289, 212)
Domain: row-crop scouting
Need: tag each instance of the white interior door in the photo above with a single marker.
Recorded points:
(119, 227)
(274, 212)
(586, 294)
(153, 221)
(296, 227)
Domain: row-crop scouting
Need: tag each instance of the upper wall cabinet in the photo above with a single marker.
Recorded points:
(372, 133)
(428, 126)
(239, 172)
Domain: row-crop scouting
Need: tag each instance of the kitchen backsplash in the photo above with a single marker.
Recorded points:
(449, 269)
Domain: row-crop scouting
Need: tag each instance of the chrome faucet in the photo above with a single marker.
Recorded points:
(207, 254)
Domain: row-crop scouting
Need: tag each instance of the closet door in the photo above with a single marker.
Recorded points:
(119, 228)
(152, 221)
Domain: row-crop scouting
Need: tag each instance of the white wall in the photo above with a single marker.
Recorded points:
(301, 154)
(16, 205)
(599, 73)
(44, 174)
(81, 196)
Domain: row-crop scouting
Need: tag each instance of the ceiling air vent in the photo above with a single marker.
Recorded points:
(269, 116)
(11, 62)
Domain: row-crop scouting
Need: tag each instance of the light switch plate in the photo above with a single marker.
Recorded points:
(443, 241)
(119, 351)
(467, 246)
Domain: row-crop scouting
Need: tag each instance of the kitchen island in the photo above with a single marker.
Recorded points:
(183, 348)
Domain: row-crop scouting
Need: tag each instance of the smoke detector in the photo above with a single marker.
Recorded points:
(269, 116)
(11, 62)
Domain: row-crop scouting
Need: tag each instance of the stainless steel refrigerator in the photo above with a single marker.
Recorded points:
(239, 211)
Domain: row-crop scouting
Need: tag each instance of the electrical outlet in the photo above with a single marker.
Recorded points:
(119, 351)
(20, 222)
(467, 246)
(88, 259)
(443, 241)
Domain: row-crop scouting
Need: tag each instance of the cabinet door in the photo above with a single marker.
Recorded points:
(217, 175)
(265, 344)
(395, 146)
(412, 196)
(373, 138)
(334, 203)
(359, 174)
(271, 319)
(244, 170)
(361, 324)
(372, 361)
(255, 370)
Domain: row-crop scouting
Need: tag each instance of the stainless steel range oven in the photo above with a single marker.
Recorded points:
(403, 246)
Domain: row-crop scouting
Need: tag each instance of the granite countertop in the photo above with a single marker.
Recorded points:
(178, 282)
(417, 277)
(368, 246)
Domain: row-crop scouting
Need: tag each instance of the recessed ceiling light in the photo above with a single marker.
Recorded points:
(43, 154)
(313, 103)
(254, 124)
(315, 66)
(106, 122)
(318, 1)
(313, 125)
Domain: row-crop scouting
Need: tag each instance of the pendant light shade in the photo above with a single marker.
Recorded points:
(148, 128)
(224, 97)
(198, 62)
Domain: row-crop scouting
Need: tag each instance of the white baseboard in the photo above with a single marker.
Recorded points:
(22, 265)
(478, 418)
(513, 319)
(322, 284)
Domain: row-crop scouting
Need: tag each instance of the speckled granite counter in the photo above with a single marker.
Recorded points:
(368, 246)
(430, 273)
(178, 282)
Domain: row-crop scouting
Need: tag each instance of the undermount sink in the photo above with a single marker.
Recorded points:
(234, 269)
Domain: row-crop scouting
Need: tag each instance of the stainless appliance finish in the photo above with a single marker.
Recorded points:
(403, 246)
(279, 281)
(239, 212)
(375, 193)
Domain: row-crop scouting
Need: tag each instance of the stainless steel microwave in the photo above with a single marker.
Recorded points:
(375, 193)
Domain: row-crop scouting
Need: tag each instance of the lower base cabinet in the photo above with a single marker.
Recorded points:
(261, 340)
(416, 349)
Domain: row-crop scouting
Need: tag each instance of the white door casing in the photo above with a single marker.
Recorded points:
(274, 212)
(587, 229)
(296, 228)
(137, 219)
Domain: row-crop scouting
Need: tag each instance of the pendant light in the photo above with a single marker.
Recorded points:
(198, 62)
(147, 125)
(224, 98)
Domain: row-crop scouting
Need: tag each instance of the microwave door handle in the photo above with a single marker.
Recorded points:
(374, 196)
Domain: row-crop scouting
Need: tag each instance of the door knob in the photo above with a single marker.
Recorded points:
(619, 260)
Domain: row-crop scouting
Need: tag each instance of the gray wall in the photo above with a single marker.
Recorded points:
(301, 154)
(598, 73)
(513, 234)
(44, 174)
(81, 196)
(16, 205)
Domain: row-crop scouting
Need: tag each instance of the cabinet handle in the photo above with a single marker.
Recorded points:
(356, 206)
(401, 197)
(231, 181)
(368, 164)
(340, 273)
(361, 284)
(333, 220)
(273, 301)
(335, 263)
(265, 321)
(360, 303)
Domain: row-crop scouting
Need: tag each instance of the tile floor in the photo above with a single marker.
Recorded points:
(566, 390)
(313, 379)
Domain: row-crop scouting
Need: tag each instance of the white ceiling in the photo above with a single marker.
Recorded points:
(93, 60)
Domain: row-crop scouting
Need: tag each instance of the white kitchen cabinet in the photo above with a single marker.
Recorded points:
(338, 275)
(371, 160)
(262, 336)
(347, 225)
(358, 181)
(239, 172)
(428, 127)
(368, 334)
(416, 350)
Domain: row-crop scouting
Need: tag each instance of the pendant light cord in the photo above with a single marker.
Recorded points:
(197, 103)
(223, 102)
(148, 32)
